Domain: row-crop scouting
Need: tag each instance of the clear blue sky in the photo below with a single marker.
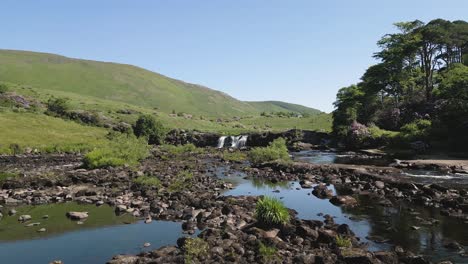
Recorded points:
(295, 51)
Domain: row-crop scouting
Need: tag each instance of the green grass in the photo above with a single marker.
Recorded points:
(248, 123)
(6, 175)
(271, 212)
(149, 181)
(125, 84)
(268, 253)
(236, 156)
(122, 149)
(45, 133)
(342, 241)
(180, 149)
(194, 248)
(278, 106)
(183, 180)
(275, 151)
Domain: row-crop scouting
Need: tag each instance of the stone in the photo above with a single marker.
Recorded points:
(380, 184)
(123, 259)
(24, 218)
(345, 200)
(33, 224)
(41, 230)
(12, 212)
(306, 184)
(321, 191)
(77, 215)
(146, 244)
(271, 233)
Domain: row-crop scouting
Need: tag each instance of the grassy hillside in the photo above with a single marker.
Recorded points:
(46, 133)
(126, 84)
(278, 106)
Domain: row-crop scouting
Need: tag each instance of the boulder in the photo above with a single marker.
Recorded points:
(77, 215)
(345, 200)
(24, 218)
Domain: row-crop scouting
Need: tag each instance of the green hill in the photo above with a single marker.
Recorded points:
(126, 84)
(278, 106)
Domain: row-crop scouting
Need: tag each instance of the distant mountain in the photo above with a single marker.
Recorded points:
(127, 84)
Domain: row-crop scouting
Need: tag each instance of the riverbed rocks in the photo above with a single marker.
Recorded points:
(344, 200)
(321, 191)
(77, 215)
(227, 224)
(24, 218)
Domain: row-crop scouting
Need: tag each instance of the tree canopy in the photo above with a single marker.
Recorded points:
(421, 74)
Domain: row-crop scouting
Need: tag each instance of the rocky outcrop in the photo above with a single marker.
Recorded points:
(262, 139)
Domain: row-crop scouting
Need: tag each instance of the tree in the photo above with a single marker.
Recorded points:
(147, 126)
(453, 105)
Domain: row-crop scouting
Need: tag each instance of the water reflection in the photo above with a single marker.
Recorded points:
(100, 237)
(379, 226)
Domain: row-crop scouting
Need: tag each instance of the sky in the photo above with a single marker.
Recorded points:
(295, 51)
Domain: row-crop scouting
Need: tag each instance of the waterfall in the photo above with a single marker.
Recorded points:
(235, 141)
(242, 142)
(238, 142)
(221, 141)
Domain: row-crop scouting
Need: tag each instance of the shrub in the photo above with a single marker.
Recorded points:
(271, 212)
(342, 241)
(268, 253)
(417, 130)
(58, 106)
(3, 88)
(276, 150)
(121, 150)
(149, 181)
(147, 126)
(194, 248)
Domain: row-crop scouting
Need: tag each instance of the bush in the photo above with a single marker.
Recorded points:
(121, 150)
(58, 106)
(3, 88)
(417, 130)
(194, 248)
(271, 212)
(276, 151)
(147, 126)
(149, 181)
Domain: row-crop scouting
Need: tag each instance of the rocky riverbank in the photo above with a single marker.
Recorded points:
(187, 190)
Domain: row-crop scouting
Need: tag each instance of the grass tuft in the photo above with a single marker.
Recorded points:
(271, 212)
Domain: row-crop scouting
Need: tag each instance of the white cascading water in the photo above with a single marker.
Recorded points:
(238, 142)
(242, 142)
(221, 141)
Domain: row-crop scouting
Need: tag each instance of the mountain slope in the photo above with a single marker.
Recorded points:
(278, 106)
(127, 84)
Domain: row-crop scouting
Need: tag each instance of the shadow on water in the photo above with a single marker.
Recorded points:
(100, 237)
(379, 226)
